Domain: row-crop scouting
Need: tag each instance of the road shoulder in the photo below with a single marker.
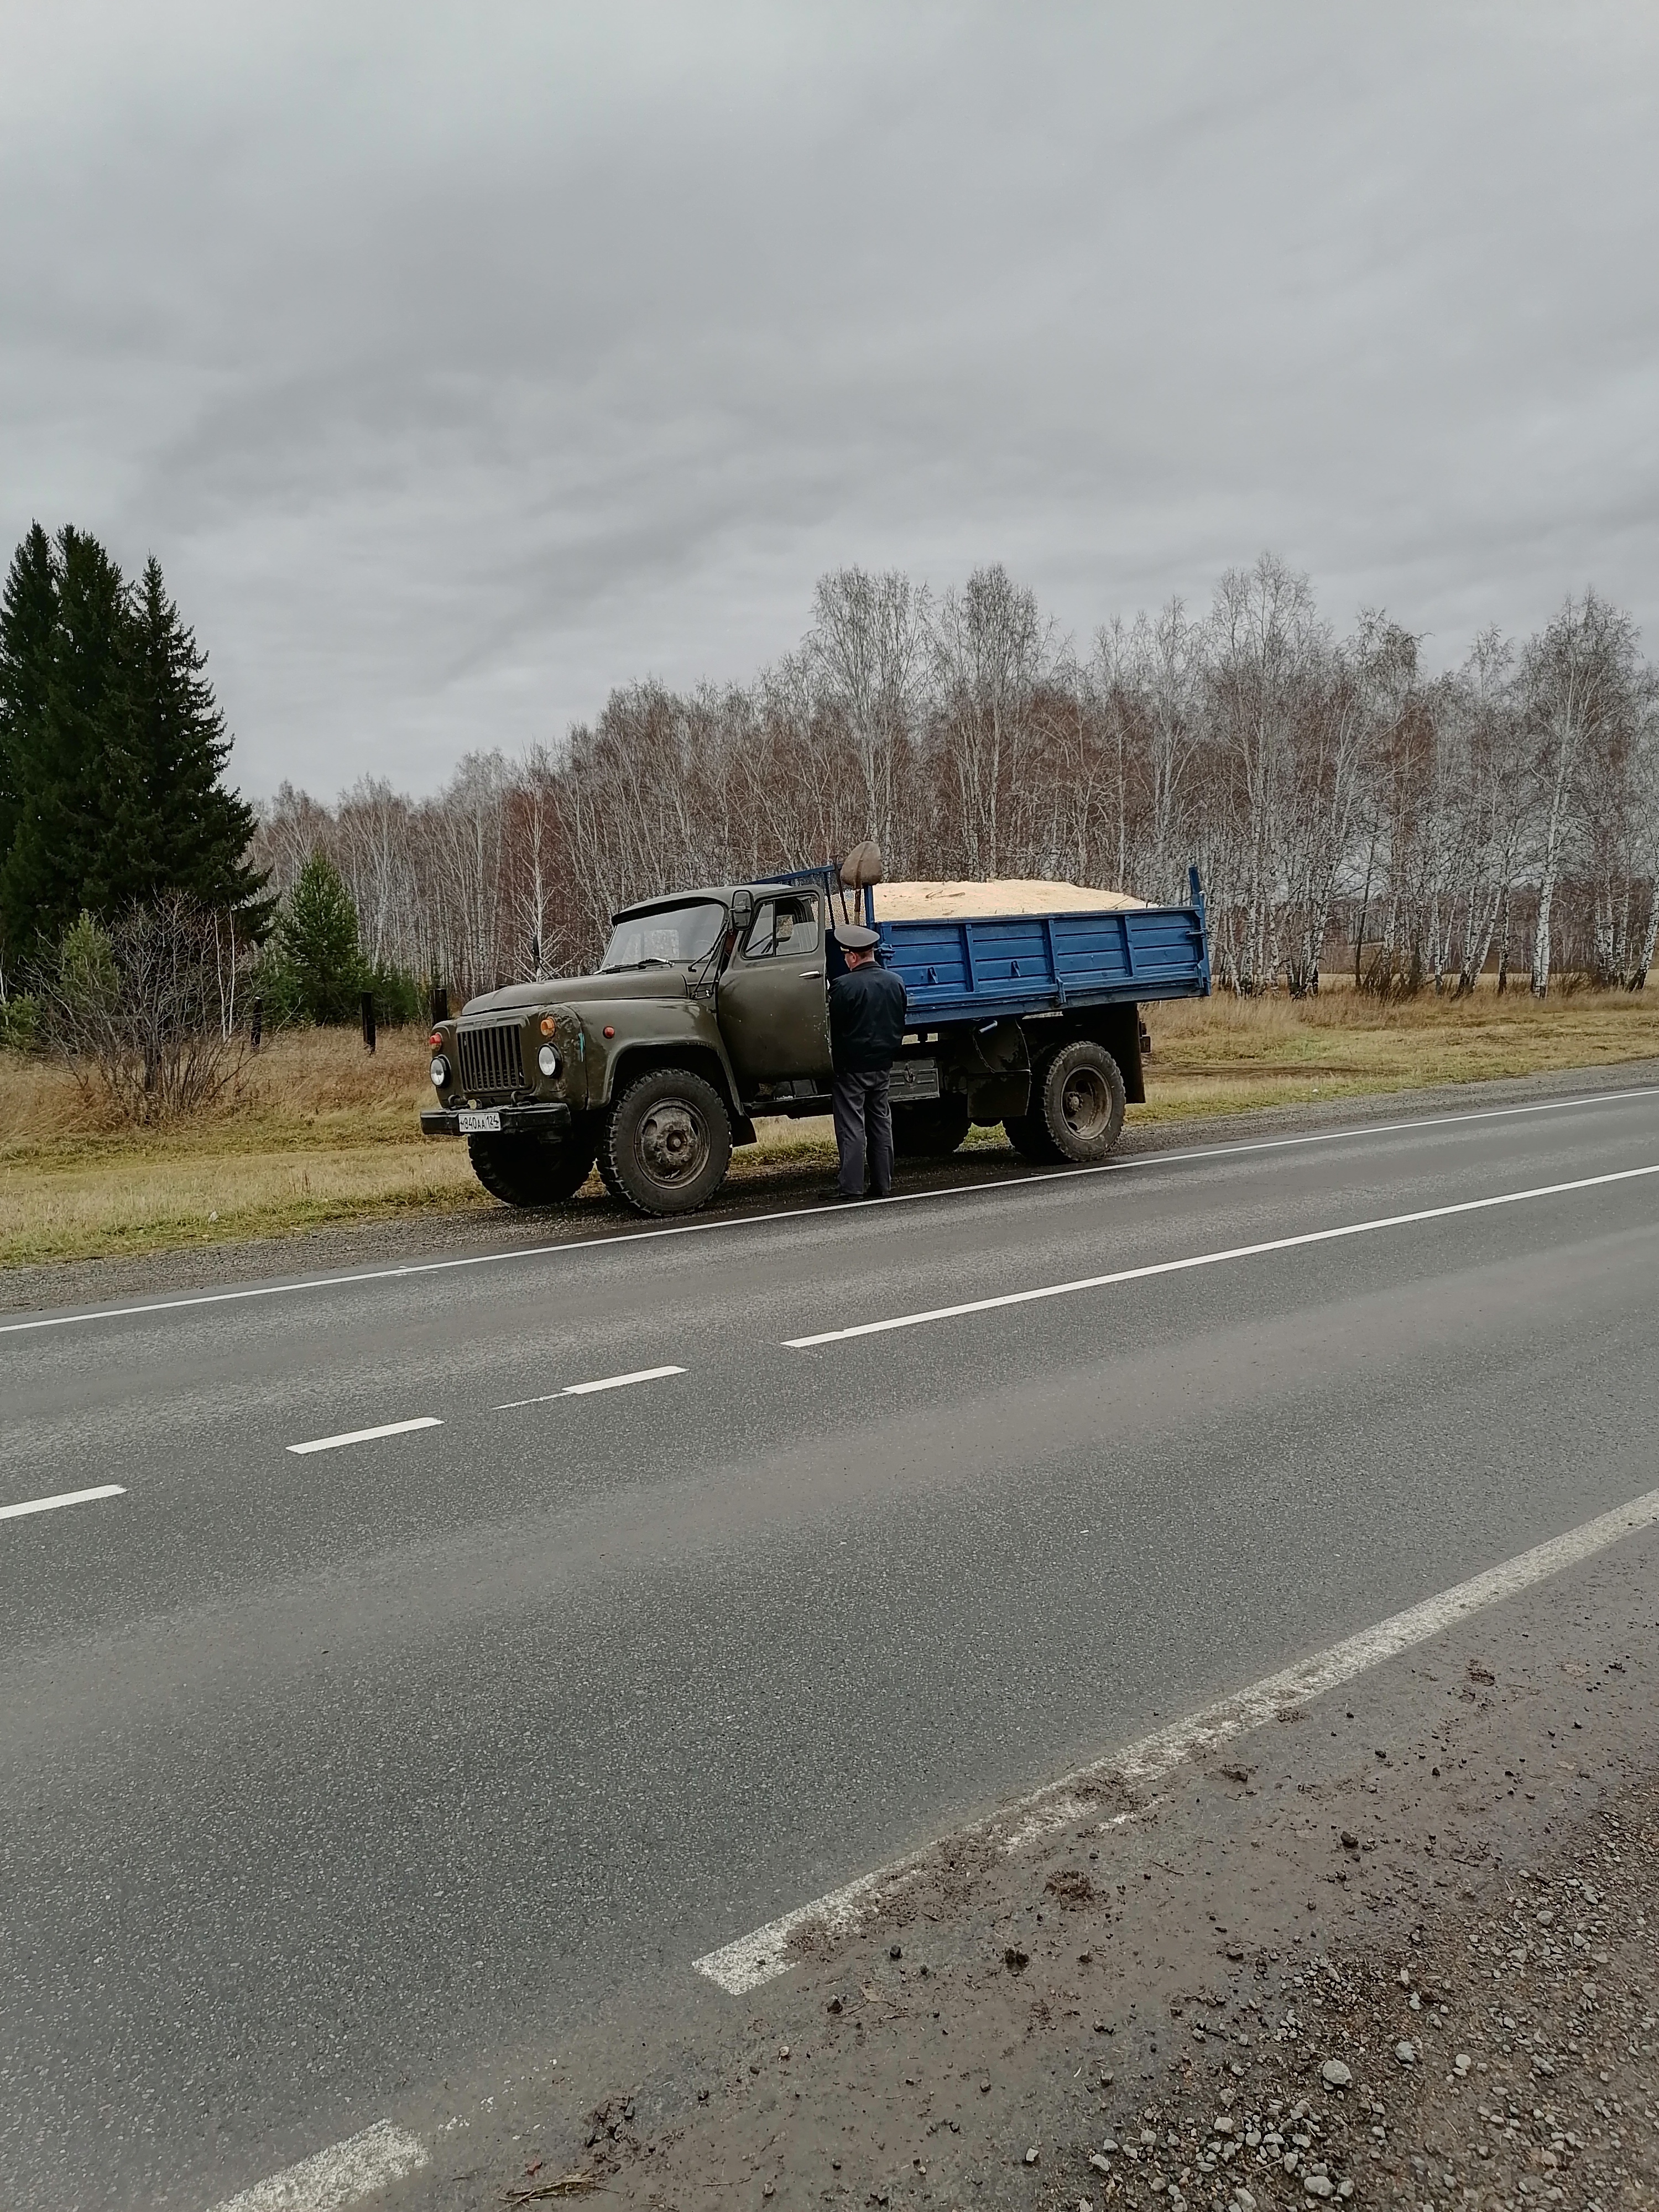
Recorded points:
(488, 1228)
(1400, 1948)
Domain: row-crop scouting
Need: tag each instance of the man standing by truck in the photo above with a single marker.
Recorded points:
(867, 1006)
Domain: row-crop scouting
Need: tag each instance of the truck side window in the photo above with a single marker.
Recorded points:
(782, 925)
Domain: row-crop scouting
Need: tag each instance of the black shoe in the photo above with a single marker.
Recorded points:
(888, 1193)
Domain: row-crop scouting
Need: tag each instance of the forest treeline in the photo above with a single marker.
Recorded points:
(1340, 801)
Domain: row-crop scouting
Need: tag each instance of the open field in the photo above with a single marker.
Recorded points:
(321, 1133)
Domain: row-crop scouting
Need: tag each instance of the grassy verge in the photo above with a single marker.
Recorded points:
(321, 1133)
(1230, 1056)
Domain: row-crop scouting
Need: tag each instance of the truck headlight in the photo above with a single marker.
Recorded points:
(439, 1071)
(548, 1060)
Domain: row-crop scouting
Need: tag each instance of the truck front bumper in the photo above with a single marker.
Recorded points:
(552, 1119)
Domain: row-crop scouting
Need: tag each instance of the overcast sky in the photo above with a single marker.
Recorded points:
(460, 363)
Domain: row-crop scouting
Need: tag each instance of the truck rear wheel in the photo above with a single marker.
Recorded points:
(525, 1171)
(930, 1129)
(666, 1143)
(1078, 1098)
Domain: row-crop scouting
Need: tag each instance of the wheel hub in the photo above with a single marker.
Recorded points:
(1086, 1104)
(673, 1144)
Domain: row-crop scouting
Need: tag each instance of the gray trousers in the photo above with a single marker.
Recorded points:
(864, 1120)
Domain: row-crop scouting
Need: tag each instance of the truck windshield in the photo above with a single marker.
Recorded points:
(664, 937)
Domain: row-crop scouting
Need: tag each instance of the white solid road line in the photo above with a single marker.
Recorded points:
(64, 1498)
(585, 1389)
(338, 2176)
(812, 1212)
(744, 1965)
(1213, 1259)
(367, 1436)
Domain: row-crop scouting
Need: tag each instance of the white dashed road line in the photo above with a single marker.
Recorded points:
(338, 2176)
(1213, 1259)
(585, 1390)
(618, 1382)
(367, 1436)
(761, 1957)
(64, 1498)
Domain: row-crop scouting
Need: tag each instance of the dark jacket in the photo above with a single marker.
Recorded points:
(866, 1019)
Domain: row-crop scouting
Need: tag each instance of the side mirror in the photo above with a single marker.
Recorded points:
(743, 910)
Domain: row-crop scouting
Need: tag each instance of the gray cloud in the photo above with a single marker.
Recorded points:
(459, 364)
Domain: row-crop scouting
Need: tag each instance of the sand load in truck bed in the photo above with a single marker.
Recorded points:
(1002, 896)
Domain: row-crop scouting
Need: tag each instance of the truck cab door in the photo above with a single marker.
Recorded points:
(773, 1000)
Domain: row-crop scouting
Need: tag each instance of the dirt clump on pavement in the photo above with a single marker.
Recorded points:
(1402, 1952)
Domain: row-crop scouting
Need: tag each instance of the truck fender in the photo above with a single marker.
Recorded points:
(651, 1033)
(1116, 1027)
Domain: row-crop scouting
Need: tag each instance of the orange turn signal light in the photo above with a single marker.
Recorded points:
(548, 1025)
(609, 1031)
(435, 1039)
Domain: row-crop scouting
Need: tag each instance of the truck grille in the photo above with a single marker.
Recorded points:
(491, 1058)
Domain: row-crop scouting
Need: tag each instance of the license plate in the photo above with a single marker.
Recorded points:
(480, 1125)
(912, 1079)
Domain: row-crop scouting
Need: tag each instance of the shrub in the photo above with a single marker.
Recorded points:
(20, 1023)
(399, 997)
(139, 1010)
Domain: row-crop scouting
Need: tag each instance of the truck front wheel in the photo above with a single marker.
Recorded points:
(1076, 1106)
(666, 1143)
(930, 1129)
(525, 1171)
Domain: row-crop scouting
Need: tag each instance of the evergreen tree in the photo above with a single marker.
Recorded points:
(176, 827)
(112, 750)
(29, 616)
(68, 710)
(317, 971)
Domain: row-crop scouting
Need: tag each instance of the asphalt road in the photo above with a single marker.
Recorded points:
(337, 1784)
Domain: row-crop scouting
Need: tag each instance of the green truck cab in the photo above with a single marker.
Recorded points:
(710, 1007)
(707, 1008)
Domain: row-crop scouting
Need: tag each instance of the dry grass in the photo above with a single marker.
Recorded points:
(1228, 1056)
(320, 1132)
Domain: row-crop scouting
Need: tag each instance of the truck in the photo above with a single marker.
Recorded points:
(710, 1007)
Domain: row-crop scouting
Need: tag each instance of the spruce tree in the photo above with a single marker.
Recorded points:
(28, 615)
(113, 750)
(176, 827)
(64, 778)
(317, 971)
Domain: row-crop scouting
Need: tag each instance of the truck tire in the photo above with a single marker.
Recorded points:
(525, 1171)
(608, 1178)
(666, 1143)
(930, 1129)
(1077, 1105)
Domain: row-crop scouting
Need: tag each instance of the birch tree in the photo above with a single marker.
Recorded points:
(990, 650)
(867, 652)
(1580, 679)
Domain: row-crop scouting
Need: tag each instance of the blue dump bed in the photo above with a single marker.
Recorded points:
(977, 970)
